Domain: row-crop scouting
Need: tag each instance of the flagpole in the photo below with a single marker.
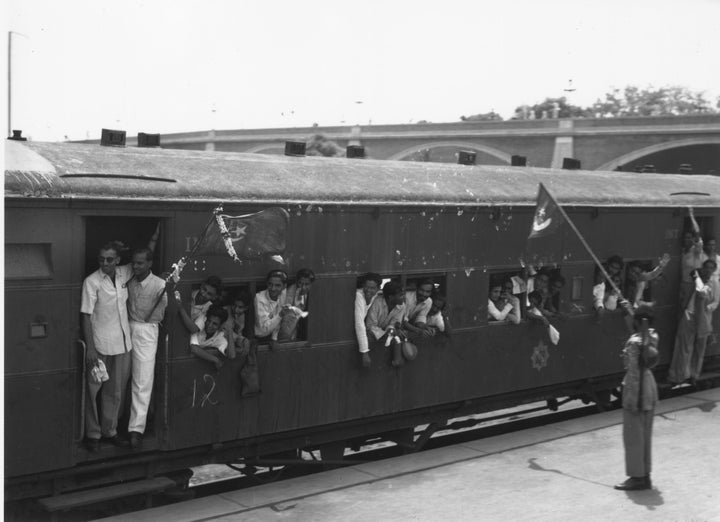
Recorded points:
(184, 259)
(585, 243)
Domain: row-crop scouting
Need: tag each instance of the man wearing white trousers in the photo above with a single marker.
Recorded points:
(146, 307)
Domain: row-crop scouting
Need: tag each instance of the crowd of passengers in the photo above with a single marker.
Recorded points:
(534, 294)
(224, 324)
(123, 305)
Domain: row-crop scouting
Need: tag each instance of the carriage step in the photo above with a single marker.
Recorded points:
(91, 496)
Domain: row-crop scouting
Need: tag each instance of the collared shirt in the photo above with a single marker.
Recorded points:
(201, 339)
(631, 382)
(416, 312)
(361, 310)
(267, 314)
(197, 310)
(143, 296)
(379, 318)
(297, 299)
(702, 304)
(106, 304)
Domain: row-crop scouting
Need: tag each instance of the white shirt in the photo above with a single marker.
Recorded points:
(379, 318)
(197, 310)
(201, 339)
(267, 314)
(143, 296)
(416, 312)
(106, 304)
(437, 321)
(361, 310)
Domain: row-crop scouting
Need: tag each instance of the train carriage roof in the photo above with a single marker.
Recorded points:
(88, 171)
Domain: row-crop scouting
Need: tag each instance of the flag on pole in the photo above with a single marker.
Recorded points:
(548, 217)
(544, 244)
(247, 236)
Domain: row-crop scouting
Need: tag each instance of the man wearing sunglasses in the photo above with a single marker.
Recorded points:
(107, 336)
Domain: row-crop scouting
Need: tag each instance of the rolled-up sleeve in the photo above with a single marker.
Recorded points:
(89, 296)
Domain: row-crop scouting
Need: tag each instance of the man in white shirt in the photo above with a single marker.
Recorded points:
(208, 341)
(146, 308)
(364, 298)
(385, 317)
(270, 307)
(107, 337)
(417, 306)
(207, 338)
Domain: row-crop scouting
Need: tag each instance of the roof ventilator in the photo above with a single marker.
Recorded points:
(148, 140)
(112, 138)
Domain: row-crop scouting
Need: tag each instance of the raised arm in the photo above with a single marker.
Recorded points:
(184, 316)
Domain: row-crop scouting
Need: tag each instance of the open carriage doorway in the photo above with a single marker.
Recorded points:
(133, 232)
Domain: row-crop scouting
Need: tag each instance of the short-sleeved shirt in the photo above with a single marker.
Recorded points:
(416, 312)
(267, 314)
(379, 318)
(201, 339)
(106, 304)
(142, 298)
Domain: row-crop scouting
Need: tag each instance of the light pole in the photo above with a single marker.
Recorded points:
(9, 88)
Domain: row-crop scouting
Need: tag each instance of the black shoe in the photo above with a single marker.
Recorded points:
(135, 439)
(634, 484)
(115, 440)
(92, 445)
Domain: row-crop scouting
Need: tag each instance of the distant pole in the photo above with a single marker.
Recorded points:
(9, 62)
(9, 81)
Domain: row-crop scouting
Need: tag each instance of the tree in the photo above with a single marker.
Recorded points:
(486, 116)
(551, 108)
(664, 101)
(320, 145)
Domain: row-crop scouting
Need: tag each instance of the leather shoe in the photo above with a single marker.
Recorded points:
(634, 484)
(135, 439)
(92, 445)
(115, 440)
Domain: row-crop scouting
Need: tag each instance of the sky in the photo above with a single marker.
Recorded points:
(174, 66)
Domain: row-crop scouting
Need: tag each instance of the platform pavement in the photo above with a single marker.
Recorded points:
(562, 472)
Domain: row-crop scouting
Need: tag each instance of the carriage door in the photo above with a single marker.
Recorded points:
(132, 232)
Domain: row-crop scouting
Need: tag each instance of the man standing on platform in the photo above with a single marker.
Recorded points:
(639, 397)
(146, 308)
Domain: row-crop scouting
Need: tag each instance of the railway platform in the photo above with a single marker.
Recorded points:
(558, 472)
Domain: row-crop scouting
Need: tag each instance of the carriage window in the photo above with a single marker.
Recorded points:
(640, 277)
(507, 293)
(28, 261)
(238, 302)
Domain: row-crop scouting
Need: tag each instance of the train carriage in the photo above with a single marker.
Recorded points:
(458, 224)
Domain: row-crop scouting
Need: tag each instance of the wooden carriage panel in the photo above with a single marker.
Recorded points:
(41, 422)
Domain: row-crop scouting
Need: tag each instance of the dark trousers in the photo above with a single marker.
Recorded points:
(637, 439)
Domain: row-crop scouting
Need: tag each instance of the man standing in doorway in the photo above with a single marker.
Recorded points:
(107, 336)
(146, 308)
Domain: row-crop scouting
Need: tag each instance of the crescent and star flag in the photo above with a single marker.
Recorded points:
(544, 244)
(246, 237)
(548, 217)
